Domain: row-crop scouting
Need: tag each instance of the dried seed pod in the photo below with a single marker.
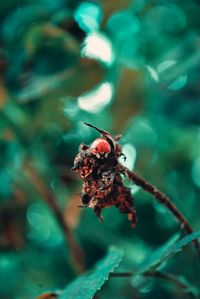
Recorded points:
(97, 165)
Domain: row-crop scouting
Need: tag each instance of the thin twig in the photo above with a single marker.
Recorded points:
(49, 197)
(168, 277)
(157, 274)
(164, 200)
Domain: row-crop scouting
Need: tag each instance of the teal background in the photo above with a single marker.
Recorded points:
(130, 67)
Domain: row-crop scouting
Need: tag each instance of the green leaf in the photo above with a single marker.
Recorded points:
(156, 259)
(85, 286)
(183, 242)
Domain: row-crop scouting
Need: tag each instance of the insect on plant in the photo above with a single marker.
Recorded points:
(102, 174)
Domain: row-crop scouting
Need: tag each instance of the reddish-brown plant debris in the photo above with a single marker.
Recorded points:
(99, 167)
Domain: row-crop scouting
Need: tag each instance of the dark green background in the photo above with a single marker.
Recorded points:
(148, 90)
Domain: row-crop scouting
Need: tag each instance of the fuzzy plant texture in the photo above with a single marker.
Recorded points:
(130, 69)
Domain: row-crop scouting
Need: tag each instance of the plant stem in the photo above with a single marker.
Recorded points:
(48, 196)
(164, 200)
(157, 274)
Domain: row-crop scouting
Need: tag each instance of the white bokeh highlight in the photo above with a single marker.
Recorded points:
(98, 46)
(97, 99)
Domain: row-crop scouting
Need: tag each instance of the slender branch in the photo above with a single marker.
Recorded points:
(164, 200)
(168, 277)
(157, 274)
(48, 196)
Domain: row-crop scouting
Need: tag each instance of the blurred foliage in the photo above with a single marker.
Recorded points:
(129, 67)
(86, 286)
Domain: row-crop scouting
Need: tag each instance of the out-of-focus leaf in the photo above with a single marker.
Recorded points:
(88, 16)
(156, 259)
(123, 23)
(87, 285)
(144, 285)
(178, 83)
(183, 242)
(20, 19)
(48, 34)
(152, 72)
